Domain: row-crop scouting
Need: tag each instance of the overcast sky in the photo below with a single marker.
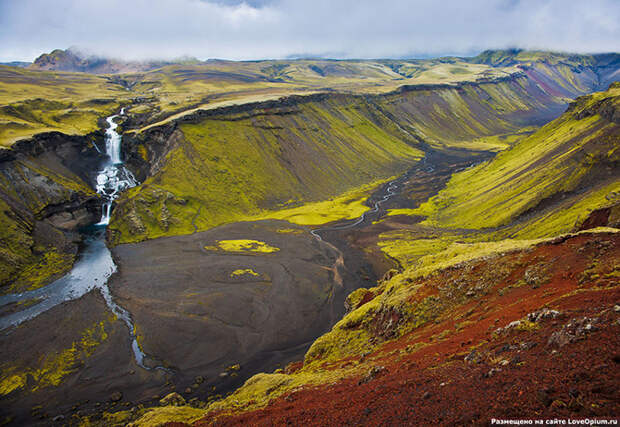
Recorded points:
(257, 29)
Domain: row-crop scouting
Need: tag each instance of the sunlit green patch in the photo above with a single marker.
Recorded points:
(243, 245)
(244, 272)
(53, 368)
(289, 231)
(347, 206)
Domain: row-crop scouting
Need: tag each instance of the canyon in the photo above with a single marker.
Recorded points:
(336, 223)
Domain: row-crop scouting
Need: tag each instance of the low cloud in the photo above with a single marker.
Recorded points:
(258, 29)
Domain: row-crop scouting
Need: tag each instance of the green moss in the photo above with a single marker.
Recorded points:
(290, 231)
(243, 245)
(556, 159)
(347, 206)
(526, 326)
(51, 265)
(53, 368)
(407, 248)
(169, 414)
(243, 272)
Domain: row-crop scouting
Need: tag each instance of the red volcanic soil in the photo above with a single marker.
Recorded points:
(468, 366)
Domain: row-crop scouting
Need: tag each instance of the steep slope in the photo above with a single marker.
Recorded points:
(571, 158)
(45, 196)
(560, 73)
(546, 184)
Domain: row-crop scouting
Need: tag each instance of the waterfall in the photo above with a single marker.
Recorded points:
(95, 264)
(114, 177)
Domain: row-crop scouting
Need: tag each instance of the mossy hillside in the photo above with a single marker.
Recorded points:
(32, 102)
(473, 116)
(27, 187)
(557, 159)
(409, 246)
(240, 165)
(16, 243)
(558, 176)
(409, 306)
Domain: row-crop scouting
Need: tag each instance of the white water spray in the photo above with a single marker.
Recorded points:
(114, 177)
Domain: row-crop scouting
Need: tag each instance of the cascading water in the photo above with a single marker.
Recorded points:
(114, 177)
(95, 264)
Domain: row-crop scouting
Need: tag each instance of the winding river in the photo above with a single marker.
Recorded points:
(95, 264)
(390, 191)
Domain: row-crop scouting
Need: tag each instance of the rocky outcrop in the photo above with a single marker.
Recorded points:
(45, 198)
(75, 61)
(608, 216)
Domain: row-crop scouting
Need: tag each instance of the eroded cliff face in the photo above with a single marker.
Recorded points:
(46, 195)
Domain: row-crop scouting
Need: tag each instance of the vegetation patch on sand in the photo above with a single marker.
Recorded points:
(53, 367)
(244, 272)
(243, 245)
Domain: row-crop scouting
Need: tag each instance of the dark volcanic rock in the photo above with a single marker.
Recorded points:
(46, 195)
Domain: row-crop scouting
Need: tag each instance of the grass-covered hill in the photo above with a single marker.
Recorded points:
(577, 152)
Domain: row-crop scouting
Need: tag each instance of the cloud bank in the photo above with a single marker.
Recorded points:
(258, 29)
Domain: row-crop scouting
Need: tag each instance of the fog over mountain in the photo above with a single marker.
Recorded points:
(256, 29)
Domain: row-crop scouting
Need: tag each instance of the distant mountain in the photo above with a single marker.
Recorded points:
(76, 61)
(20, 64)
